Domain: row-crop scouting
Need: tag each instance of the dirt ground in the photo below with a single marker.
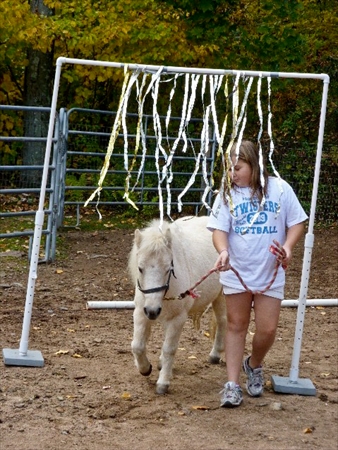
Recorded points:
(89, 395)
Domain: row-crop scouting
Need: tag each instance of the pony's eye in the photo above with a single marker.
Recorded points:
(140, 270)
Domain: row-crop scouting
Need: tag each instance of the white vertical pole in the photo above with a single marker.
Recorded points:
(309, 239)
(23, 356)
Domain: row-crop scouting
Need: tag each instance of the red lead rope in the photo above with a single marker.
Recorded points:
(276, 250)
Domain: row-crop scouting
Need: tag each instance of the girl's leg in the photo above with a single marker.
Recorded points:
(267, 311)
(238, 318)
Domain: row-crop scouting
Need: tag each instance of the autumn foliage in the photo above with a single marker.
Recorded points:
(293, 36)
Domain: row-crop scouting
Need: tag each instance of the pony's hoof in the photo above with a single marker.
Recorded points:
(162, 389)
(146, 374)
(214, 359)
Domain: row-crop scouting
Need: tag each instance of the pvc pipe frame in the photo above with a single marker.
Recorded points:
(39, 219)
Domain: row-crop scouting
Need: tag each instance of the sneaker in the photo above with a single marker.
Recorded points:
(231, 395)
(255, 381)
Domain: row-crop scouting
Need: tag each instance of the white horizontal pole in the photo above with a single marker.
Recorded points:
(131, 305)
(195, 70)
(111, 305)
(313, 302)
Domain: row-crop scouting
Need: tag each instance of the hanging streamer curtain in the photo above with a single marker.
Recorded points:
(210, 92)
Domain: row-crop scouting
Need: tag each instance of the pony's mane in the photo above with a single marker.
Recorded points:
(154, 238)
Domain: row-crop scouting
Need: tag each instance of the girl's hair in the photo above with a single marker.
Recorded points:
(249, 153)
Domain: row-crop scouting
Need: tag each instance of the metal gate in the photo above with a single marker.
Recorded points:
(18, 195)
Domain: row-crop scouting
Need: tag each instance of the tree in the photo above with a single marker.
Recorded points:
(37, 92)
(286, 36)
(297, 36)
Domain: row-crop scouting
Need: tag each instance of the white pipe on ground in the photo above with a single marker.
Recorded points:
(313, 302)
(111, 305)
(131, 305)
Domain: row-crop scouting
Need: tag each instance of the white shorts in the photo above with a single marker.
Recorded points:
(275, 293)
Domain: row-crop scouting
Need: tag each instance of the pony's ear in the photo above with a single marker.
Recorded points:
(168, 237)
(138, 237)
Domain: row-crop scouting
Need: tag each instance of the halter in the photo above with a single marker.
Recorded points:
(164, 288)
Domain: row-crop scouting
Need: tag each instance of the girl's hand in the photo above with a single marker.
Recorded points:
(223, 262)
(283, 254)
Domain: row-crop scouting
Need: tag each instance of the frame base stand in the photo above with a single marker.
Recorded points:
(33, 358)
(286, 386)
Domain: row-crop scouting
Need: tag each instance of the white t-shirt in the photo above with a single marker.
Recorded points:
(249, 252)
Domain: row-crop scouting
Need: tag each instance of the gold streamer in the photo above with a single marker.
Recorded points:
(112, 140)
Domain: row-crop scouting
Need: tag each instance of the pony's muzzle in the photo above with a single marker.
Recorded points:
(151, 313)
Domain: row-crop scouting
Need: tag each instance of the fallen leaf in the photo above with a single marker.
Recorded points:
(61, 352)
(59, 271)
(192, 357)
(106, 387)
(276, 406)
(76, 355)
(206, 334)
(70, 330)
(126, 396)
(308, 430)
(200, 408)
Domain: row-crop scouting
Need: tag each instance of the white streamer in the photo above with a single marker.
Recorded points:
(220, 152)
(213, 93)
(214, 89)
(159, 148)
(237, 120)
(261, 164)
(260, 114)
(141, 99)
(204, 149)
(170, 175)
(112, 140)
(181, 131)
(187, 111)
(272, 146)
(165, 170)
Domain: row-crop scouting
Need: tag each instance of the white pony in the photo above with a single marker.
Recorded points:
(164, 263)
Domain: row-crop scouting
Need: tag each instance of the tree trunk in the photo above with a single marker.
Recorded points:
(37, 92)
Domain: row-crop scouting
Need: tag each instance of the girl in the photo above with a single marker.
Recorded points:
(242, 236)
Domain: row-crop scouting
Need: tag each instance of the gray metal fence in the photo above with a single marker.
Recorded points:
(19, 190)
